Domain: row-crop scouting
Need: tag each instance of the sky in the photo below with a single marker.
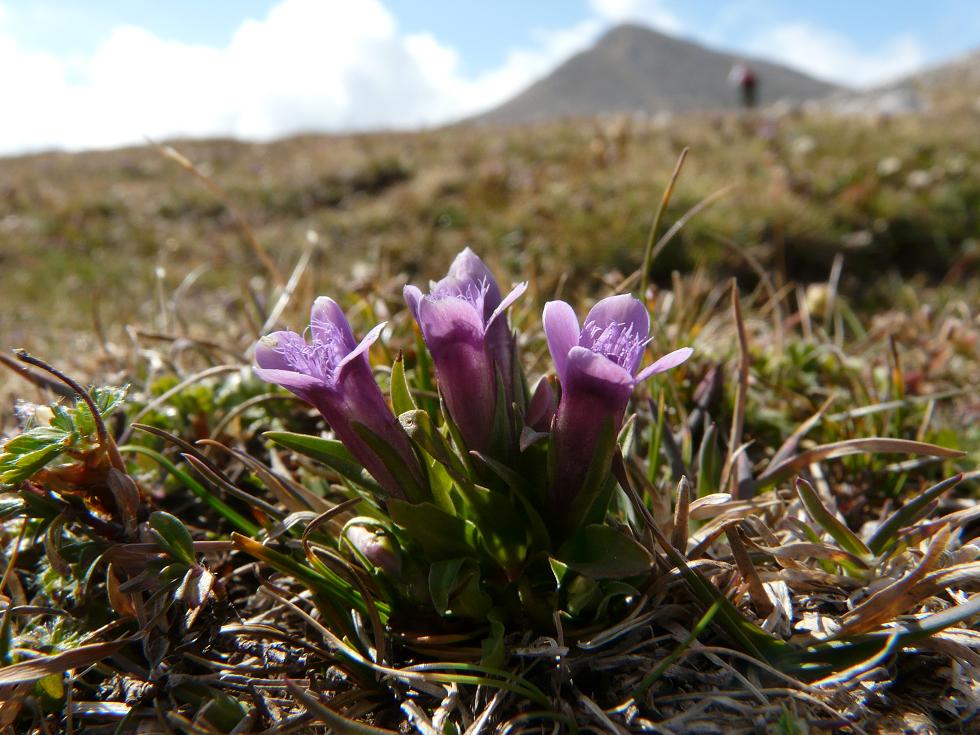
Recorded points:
(77, 74)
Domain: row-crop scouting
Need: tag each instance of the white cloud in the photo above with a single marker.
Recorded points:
(835, 57)
(308, 65)
(329, 65)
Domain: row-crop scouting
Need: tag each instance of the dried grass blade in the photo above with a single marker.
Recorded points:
(648, 252)
(897, 597)
(789, 446)
(334, 720)
(677, 652)
(873, 445)
(26, 672)
(741, 395)
(167, 395)
(678, 536)
(209, 473)
(757, 591)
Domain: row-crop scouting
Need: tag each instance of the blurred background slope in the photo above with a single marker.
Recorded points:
(558, 179)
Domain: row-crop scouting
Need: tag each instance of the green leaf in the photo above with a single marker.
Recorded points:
(581, 595)
(173, 536)
(418, 425)
(535, 523)
(831, 656)
(709, 463)
(829, 522)
(602, 552)
(502, 431)
(324, 582)
(335, 721)
(750, 637)
(492, 650)
(441, 535)
(26, 454)
(656, 437)
(627, 436)
(502, 524)
(401, 394)
(223, 712)
(676, 653)
(106, 398)
(454, 585)
(329, 452)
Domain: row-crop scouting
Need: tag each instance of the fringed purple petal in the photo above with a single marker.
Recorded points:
(562, 331)
(668, 361)
(304, 386)
(269, 353)
(326, 312)
(588, 370)
(514, 294)
(361, 350)
(623, 309)
(468, 270)
(449, 318)
(332, 372)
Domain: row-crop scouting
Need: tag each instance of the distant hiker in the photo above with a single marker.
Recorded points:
(744, 78)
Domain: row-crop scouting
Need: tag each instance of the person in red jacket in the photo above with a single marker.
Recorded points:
(744, 78)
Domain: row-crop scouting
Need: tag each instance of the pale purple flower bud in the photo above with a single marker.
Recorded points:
(541, 408)
(377, 547)
(331, 371)
(597, 367)
(465, 330)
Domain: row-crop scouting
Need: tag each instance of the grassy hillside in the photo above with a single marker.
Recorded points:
(184, 560)
(84, 239)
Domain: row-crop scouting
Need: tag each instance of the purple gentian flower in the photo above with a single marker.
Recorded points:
(463, 323)
(597, 366)
(332, 373)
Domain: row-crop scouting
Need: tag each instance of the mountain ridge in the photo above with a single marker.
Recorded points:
(633, 68)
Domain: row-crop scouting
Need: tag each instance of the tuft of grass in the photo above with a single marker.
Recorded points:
(806, 485)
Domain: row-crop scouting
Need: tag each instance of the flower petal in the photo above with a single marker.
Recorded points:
(668, 361)
(450, 318)
(326, 311)
(412, 296)
(622, 309)
(467, 268)
(369, 339)
(515, 294)
(562, 331)
(299, 383)
(587, 367)
(269, 353)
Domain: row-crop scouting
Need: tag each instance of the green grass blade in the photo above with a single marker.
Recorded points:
(829, 522)
(235, 518)
(909, 514)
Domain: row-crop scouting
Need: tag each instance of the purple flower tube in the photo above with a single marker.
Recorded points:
(332, 373)
(465, 330)
(597, 367)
